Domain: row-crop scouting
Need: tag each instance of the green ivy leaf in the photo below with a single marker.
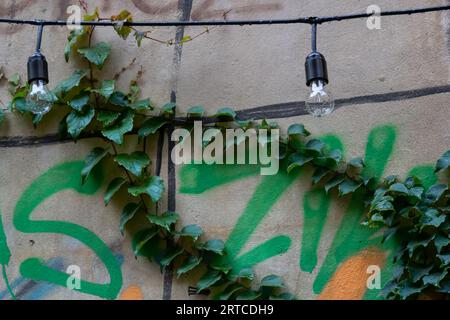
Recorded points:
(331, 160)
(154, 187)
(2, 116)
(418, 272)
(432, 218)
(196, 111)
(416, 193)
(166, 220)
(79, 101)
(298, 130)
(170, 256)
(108, 117)
(107, 89)
(272, 281)
(230, 291)
(92, 160)
(74, 37)
(139, 36)
(348, 186)
(441, 241)
(249, 295)
(445, 259)
(226, 113)
(208, 280)
(412, 246)
(434, 278)
(435, 193)
(78, 121)
(97, 54)
(134, 162)
(297, 160)
(70, 83)
(357, 163)
(122, 30)
(119, 98)
(412, 181)
(191, 263)
(128, 213)
(246, 273)
(151, 126)
(445, 287)
(141, 105)
(116, 132)
(407, 290)
(214, 245)
(284, 296)
(399, 188)
(168, 108)
(391, 180)
(444, 162)
(334, 182)
(314, 147)
(319, 174)
(194, 231)
(113, 187)
(141, 238)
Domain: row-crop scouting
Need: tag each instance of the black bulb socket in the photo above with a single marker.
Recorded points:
(316, 68)
(37, 68)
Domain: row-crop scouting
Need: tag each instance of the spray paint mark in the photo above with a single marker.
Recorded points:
(59, 178)
(350, 240)
(5, 256)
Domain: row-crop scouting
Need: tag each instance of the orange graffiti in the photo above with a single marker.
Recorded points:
(132, 293)
(349, 281)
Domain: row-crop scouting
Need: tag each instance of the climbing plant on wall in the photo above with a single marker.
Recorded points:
(418, 217)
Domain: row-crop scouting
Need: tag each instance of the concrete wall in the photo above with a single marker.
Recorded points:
(394, 110)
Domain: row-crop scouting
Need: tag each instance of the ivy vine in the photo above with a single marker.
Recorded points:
(416, 216)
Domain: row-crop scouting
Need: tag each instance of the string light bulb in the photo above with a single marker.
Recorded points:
(39, 99)
(319, 101)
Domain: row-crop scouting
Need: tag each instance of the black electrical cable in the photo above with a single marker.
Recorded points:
(314, 37)
(301, 20)
(39, 37)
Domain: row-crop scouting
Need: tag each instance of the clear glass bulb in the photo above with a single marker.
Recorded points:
(39, 99)
(319, 102)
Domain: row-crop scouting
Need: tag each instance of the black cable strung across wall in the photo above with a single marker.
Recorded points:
(301, 20)
(319, 102)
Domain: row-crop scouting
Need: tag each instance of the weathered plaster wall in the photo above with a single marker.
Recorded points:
(393, 90)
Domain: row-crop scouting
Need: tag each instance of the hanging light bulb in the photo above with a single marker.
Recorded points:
(39, 99)
(320, 101)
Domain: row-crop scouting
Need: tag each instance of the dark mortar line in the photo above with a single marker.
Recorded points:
(185, 7)
(274, 111)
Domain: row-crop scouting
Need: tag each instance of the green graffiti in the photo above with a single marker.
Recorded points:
(426, 174)
(350, 237)
(5, 256)
(315, 208)
(196, 179)
(62, 177)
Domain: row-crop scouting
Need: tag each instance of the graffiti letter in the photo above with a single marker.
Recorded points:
(59, 178)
